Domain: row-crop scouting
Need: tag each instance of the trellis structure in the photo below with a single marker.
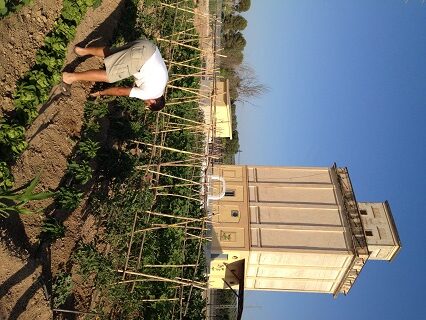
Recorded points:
(195, 161)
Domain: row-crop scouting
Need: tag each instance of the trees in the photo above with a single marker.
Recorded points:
(234, 40)
(243, 81)
(243, 5)
(234, 22)
(233, 58)
(249, 85)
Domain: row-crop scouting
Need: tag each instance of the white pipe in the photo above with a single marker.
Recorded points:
(223, 187)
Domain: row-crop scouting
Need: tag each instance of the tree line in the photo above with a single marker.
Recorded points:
(244, 83)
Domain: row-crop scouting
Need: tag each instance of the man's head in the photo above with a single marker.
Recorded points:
(156, 104)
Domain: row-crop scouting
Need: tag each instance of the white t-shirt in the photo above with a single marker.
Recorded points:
(151, 78)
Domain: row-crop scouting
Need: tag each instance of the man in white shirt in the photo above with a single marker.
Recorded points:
(140, 59)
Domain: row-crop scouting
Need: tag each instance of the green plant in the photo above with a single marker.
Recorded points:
(90, 261)
(82, 172)
(68, 198)
(94, 110)
(12, 139)
(52, 229)
(8, 6)
(6, 178)
(3, 8)
(64, 30)
(61, 289)
(15, 201)
(34, 87)
(92, 128)
(50, 62)
(88, 148)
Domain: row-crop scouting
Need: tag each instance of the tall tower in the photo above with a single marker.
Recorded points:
(295, 229)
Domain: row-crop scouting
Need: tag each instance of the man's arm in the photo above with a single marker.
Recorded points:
(114, 91)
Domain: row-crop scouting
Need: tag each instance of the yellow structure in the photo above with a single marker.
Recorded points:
(217, 110)
(222, 110)
(295, 229)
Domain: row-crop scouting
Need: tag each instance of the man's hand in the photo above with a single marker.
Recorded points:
(96, 94)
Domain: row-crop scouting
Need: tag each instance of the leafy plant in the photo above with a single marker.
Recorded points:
(64, 30)
(8, 6)
(68, 198)
(61, 289)
(6, 178)
(15, 201)
(94, 110)
(71, 10)
(3, 8)
(82, 172)
(88, 148)
(91, 261)
(50, 62)
(12, 139)
(52, 229)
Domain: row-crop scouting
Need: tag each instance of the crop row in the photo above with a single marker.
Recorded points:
(34, 87)
(120, 192)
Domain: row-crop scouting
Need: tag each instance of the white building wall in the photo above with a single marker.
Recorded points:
(299, 239)
(294, 271)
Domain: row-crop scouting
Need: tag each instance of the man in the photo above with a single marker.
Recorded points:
(140, 59)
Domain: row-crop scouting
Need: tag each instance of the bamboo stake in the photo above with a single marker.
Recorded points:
(198, 237)
(178, 196)
(181, 118)
(172, 185)
(200, 246)
(169, 265)
(168, 148)
(164, 226)
(177, 217)
(130, 243)
(160, 299)
(184, 65)
(176, 226)
(183, 32)
(180, 102)
(204, 287)
(187, 90)
(76, 312)
(176, 177)
(182, 9)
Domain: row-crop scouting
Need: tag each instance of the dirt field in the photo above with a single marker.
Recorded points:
(51, 137)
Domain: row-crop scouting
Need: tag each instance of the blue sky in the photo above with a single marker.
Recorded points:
(347, 84)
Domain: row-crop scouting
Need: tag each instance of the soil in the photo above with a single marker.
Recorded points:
(52, 138)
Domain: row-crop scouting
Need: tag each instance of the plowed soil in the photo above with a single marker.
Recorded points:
(52, 138)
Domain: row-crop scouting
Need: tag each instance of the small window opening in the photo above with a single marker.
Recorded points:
(368, 233)
(235, 213)
(230, 193)
(363, 212)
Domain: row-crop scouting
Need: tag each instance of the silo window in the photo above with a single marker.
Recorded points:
(368, 233)
(230, 193)
(363, 212)
(235, 213)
